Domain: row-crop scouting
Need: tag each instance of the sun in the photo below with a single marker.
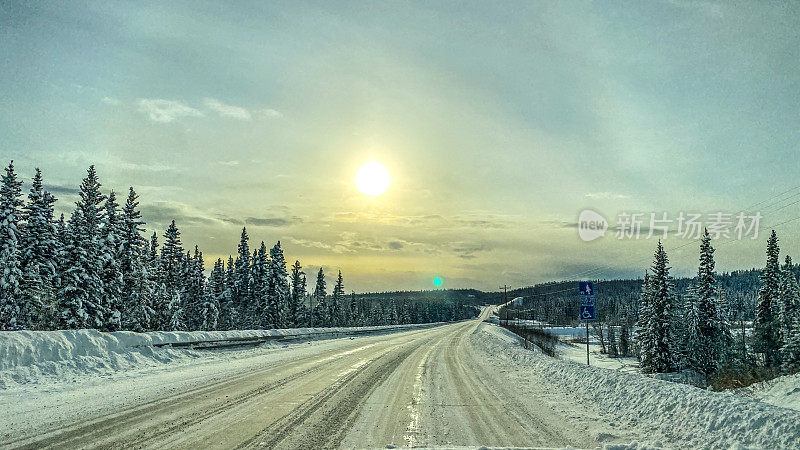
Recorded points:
(373, 179)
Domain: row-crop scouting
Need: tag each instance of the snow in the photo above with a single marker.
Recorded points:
(42, 356)
(661, 413)
(782, 391)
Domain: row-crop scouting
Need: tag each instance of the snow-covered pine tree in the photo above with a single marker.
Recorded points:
(177, 321)
(790, 352)
(242, 283)
(352, 310)
(278, 290)
(88, 234)
(320, 310)
(227, 312)
(194, 296)
(38, 257)
(10, 273)
(72, 294)
(261, 313)
(298, 294)
(215, 290)
(705, 341)
(788, 300)
(138, 290)
(110, 248)
(625, 340)
(662, 314)
(767, 328)
(337, 302)
(155, 276)
(644, 337)
(172, 259)
(613, 350)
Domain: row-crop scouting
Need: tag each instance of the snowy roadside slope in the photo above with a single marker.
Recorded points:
(783, 391)
(36, 356)
(661, 412)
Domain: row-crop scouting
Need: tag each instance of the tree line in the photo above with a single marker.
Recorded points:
(97, 270)
(694, 331)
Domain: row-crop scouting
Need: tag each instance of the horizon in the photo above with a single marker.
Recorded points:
(497, 126)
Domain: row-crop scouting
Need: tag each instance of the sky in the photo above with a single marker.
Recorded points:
(499, 124)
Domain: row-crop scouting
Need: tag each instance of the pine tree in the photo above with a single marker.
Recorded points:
(263, 314)
(10, 273)
(790, 351)
(227, 312)
(172, 259)
(767, 331)
(337, 300)
(624, 340)
(111, 271)
(320, 310)
(788, 301)
(298, 294)
(72, 295)
(242, 283)
(177, 321)
(612, 342)
(278, 290)
(38, 257)
(138, 292)
(644, 336)
(660, 327)
(215, 292)
(88, 234)
(706, 344)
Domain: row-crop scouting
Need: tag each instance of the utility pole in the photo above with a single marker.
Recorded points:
(505, 300)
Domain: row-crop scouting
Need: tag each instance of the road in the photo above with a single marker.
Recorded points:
(417, 388)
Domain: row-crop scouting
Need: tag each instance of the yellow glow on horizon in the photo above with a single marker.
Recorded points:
(373, 179)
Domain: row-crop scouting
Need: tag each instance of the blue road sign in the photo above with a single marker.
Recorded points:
(586, 288)
(588, 313)
(587, 300)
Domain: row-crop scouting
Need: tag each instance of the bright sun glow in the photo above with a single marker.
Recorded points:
(373, 179)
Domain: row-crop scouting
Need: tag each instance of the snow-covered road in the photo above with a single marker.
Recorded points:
(462, 384)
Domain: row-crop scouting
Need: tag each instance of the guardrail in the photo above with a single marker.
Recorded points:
(252, 341)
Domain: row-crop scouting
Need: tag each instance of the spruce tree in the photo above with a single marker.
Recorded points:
(139, 286)
(242, 283)
(790, 352)
(72, 294)
(320, 309)
(613, 351)
(10, 273)
(644, 337)
(337, 302)
(298, 294)
(262, 313)
(38, 257)
(788, 300)
(227, 312)
(278, 290)
(767, 329)
(88, 234)
(662, 319)
(111, 270)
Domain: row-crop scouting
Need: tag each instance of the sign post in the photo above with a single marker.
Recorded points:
(588, 313)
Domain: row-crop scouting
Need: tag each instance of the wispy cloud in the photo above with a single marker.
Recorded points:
(165, 111)
(235, 112)
(273, 221)
(270, 113)
(605, 195)
(110, 100)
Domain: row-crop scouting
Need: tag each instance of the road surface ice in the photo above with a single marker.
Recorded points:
(462, 384)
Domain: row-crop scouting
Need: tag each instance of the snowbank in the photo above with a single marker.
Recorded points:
(782, 391)
(671, 414)
(26, 356)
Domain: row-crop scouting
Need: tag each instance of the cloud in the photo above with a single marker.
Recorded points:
(165, 111)
(467, 251)
(61, 190)
(271, 113)
(395, 245)
(235, 112)
(229, 163)
(273, 221)
(110, 100)
(605, 195)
